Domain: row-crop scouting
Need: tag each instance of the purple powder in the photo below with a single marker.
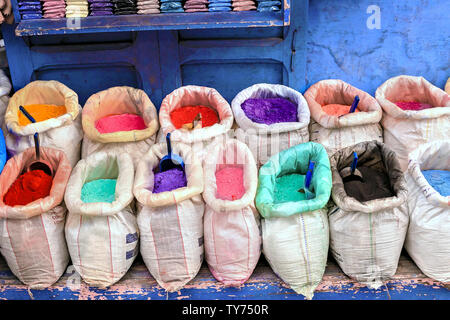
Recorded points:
(270, 110)
(169, 180)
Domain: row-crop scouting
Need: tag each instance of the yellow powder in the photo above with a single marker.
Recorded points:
(41, 112)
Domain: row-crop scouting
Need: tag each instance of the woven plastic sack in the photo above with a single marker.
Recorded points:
(5, 88)
(32, 236)
(102, 237)
(232, 228)
(405, 130)
(113, 101)
(427, 240)
(198, 139)
(366, 238)
(447, 86)
(63, 132)
(339, 132)
(295, 234)
(171, 222)
(266, 140)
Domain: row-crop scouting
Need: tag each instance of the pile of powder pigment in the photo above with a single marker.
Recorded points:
(375, 185)
(270, 110)
(100, 190)
(439, 180)
(230, 183)
(413, 105)
(169, 180)
(287, 188)
(41, 112)
(335, 109)
(120, 122)
(187, 114)
(28, 187)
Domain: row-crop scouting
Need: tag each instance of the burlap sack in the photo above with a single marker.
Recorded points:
(119, 100)
(232, 228)
(32, 236)
(366, 238)
(405, 130)
(427, 240)
(63, 132)
(198, 139)
(171, 222)
(335, 132)
(102, 237)
(266, 140)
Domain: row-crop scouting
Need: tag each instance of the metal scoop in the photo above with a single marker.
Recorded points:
(195, 124)
(351, 173)
(38, 164)
(172, 160)
(307, 190)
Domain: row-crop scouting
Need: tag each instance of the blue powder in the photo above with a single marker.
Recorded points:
(439, 180)
(101, 190)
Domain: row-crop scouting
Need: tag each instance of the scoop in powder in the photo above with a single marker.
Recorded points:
(230, 183)
(120, 122)
(439, 180)
(187, 114)
(41, 112)
(101, 190)
(169, 180)
(412, 105)
(270, 110)
(335, 109)
(375, 185)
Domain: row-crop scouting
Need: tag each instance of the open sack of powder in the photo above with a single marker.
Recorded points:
(32, 235)
(63, 132)
(231, 223)
(198, 138)
(405, 130)
(366, 237)
(119, 102)
(427, 240)
(271, 118)
(295, 230)
(170, 222)
(337, 132)
(101, 232)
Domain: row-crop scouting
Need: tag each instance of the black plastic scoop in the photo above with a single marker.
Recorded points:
(38, 164)
(172, 160)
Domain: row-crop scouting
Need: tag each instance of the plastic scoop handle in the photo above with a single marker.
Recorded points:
(169, 146)
(36, 137)
(354, 104)
(309, 174)
(354, 162)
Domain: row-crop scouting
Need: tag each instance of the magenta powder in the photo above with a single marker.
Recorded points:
(270, 110)
(169, 180)
(230, 183)
(412, 105)
(120, 122)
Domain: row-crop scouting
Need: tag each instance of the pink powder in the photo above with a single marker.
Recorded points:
(413, 105)
(230, 183)
(120, 122)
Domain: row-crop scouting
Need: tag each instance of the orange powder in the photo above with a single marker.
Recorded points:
(335, 109)
(41, 112)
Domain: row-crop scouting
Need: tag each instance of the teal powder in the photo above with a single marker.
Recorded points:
(439, 180)
(101, 190)
(287, 186)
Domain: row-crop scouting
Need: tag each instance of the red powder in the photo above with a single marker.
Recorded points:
(120, 122)
(230, 183)
(412, 105)
(187, 114)
(335, 109)
(30, 186)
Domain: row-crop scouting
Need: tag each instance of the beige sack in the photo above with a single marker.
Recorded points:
(171, 222)
(266, 140)
(102, 237)
(32, 236)
(5, 88)
(232, 228)
(198, 139)
(334, 132)
(119, 100)
(63, 132)
(405, 130)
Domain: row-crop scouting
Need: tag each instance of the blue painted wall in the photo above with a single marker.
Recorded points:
(414, 39)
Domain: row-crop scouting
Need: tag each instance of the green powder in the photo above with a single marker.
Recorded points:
(101, 190)
(286, 188)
